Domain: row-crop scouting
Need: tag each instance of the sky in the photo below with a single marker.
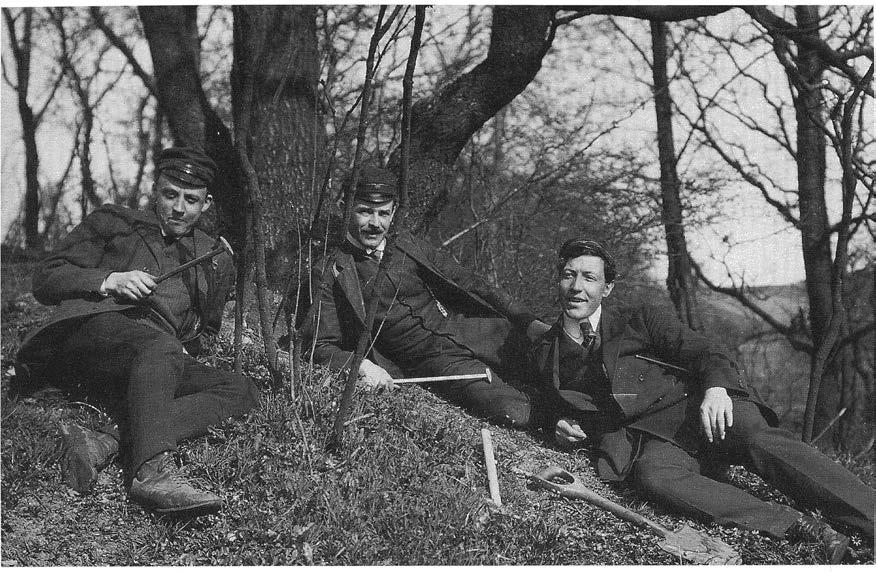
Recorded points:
(764, 249)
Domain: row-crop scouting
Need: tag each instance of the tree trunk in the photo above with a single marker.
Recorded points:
(21, 49)
(133, 200)
(172, 34)
(32, 237)
(442, 123)
(277, 45)
(496, 181)
(824, 394)
(680, 281)
(89, 189)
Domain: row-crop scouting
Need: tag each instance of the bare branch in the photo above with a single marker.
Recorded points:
(778, 27)
(659, 13)
(38, 116)
(115, 40)
(795, 336)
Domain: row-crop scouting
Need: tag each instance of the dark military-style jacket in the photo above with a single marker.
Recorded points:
(118, 239)
(491, 324)
(661, 400)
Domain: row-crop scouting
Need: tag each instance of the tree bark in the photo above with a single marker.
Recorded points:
(443, 122)
(277, 45)
(824, 391)
(21, 50)
(680, 280)
(172, 34)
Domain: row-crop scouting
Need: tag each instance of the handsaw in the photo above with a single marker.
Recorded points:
(686, 542)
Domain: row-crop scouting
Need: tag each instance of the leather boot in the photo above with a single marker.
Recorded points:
(810, 529)
(86, 453)
(160, 487)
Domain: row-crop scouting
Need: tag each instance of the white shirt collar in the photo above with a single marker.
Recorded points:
(592, 318)
(595, 317)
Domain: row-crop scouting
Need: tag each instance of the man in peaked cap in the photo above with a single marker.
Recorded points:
(434, 317)
(121, 337)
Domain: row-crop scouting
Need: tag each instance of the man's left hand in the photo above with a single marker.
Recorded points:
(716, 413)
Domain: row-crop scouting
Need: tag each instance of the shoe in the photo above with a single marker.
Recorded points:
(159, 487)
(810, 529)
(86, 453)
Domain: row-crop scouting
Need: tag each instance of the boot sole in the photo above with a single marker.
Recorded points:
(190, 511)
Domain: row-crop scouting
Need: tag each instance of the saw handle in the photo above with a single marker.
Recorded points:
(574, 489)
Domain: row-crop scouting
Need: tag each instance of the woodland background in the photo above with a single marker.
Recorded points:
(512, 128)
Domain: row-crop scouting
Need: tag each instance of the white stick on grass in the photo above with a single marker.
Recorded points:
(490, 460)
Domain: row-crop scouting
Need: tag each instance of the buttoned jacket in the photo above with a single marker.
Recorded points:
(492, 324)
(654, 398)
(116, 239)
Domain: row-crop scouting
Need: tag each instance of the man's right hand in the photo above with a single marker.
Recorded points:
(372, 376)
(133, 285)
(568, 432)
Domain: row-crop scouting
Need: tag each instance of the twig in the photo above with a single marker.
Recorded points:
(336, 439)
(829, 425)
(359, 418)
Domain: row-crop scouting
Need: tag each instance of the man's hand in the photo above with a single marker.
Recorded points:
(134, 285)
(568, 432)
(372, 376)
(716, 413)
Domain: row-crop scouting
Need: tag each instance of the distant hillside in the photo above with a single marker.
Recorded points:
(780, 373)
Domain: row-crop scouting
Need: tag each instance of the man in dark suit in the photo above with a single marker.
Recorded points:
(661, 405)
(121, 336)
(433, 316)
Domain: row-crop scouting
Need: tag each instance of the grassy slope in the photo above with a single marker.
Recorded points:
(408, 489)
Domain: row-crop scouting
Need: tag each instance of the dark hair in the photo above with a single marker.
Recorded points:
(576, 247)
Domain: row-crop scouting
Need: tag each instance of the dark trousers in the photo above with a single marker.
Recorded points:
(165, 395)
(497, 401)
(673, 476)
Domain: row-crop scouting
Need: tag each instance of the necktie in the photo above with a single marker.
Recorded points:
(591, 339)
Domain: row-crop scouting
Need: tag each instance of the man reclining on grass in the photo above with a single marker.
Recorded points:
(118, 334)
(434, 317)
(658, 402)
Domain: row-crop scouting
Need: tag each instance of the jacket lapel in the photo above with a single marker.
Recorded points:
(143, 230)
(612, 326)
(550, 353)
(411, 248)
(347, 278)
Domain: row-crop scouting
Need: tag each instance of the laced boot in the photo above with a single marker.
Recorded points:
(810, 529)
(86, 453)
(160, 487)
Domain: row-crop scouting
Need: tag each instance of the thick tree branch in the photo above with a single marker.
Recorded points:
(657, 13)
(779, 27)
